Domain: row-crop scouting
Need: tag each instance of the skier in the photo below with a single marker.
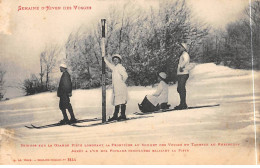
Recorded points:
(119, 88)
(182, 76)
(65, 92)
(159, 99)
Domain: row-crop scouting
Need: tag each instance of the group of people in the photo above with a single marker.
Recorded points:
(158, 100)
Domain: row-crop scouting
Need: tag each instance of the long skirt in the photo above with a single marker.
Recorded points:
(148, 106)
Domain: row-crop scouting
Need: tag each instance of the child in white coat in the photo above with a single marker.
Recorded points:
(119, 88)
(159, 99)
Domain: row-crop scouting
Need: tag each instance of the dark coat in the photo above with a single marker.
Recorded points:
(65, 85)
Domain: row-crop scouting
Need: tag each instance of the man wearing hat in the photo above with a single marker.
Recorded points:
(182, 76)
(65, 92)
(119, 88)
(159, 99)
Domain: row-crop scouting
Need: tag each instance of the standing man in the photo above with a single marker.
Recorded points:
(182, 76)
(119, 88)
(65, 92)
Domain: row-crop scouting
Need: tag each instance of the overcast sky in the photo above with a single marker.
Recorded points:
(24, 34)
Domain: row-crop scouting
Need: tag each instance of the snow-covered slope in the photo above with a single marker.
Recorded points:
(231, 122)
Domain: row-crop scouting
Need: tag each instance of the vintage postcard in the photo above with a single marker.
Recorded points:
(129, 82)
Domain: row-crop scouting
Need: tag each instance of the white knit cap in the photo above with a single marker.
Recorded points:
(162, 75)
(117, 55)
(63, 66)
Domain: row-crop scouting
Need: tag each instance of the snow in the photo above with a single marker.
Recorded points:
(209, 84)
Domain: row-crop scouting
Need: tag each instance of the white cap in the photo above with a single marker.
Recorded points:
(63, 66)
(184, 45)
(117, 55)
(162, 75)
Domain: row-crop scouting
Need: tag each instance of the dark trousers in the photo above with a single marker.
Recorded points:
(182, 79)
(65, 104)
(123, 109)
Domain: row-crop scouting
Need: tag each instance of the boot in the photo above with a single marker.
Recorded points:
(164, 106)
(65, 117)
(122, 116)
(181, 107)
(64, 122)
(115, 115)
(73, 120)
(72, 116)
(182, 104)
(183, 98)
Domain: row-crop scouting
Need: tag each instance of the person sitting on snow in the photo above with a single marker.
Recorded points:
(119, 88)
(159, 99)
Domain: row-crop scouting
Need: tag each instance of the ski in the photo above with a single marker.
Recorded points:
(47, 126)
(58, 124)
(114, 121)
(30, 127)
(109, 122)
(172, 109)
(50, 125)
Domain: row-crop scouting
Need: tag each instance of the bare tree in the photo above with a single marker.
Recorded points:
(238, 44)
(146, 39)
(83, 55)
(48, 60)
(255, 30)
